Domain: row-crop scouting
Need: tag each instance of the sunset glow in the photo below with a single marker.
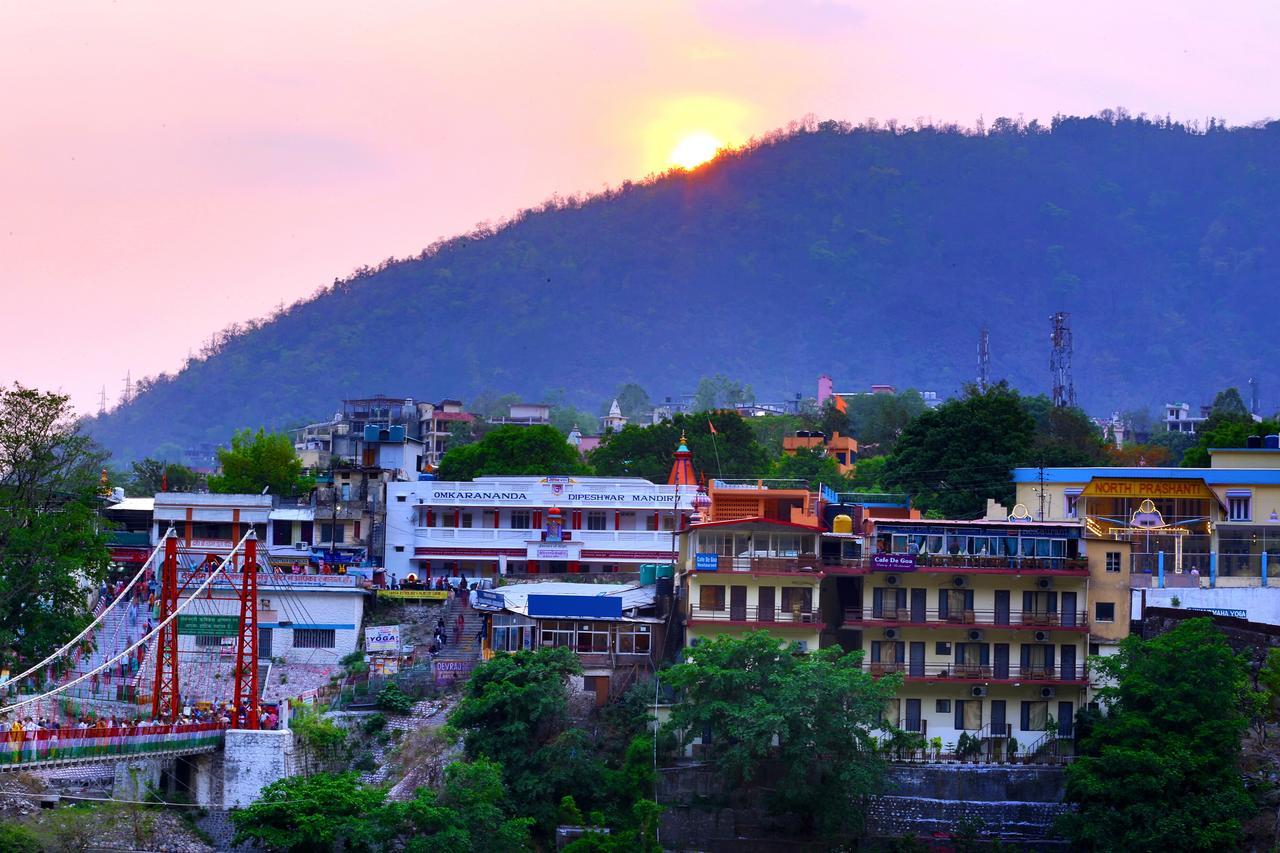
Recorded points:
(695, 149)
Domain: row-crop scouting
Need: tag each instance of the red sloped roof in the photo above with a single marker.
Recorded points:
(453, 416)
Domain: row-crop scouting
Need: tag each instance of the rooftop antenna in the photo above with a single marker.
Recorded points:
(984, 359)
(1064, 389)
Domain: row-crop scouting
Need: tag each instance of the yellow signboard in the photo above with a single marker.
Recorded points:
(1124, 487)
(416, 594)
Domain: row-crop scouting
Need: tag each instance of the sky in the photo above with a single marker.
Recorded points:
(167, 169)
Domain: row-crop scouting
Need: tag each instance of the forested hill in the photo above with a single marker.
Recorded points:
(870, 254)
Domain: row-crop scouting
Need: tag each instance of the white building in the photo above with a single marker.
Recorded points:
(516, 525)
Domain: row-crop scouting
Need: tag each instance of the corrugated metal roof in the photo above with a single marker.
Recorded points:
(516, 596)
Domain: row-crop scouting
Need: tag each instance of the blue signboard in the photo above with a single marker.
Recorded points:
(489, 598)
(706, 562)
(575, 606)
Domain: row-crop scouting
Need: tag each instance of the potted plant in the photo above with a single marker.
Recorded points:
(935, 744)
(952, 750)
(1012, 750)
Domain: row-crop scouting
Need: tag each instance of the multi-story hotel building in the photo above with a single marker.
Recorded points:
(985, 620)
(536, 525)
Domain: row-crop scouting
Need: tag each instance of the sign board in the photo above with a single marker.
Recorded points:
(382, 638)
(1127, 487)
(415, 594)
(554, 551)
(893, 562)
(706, 562)
(575, 606)
(489, 598)
(208, 625)
(1222, 611)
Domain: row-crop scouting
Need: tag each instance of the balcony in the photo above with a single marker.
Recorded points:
(658, 541)
(961, 564)
(905, 617)
(188, 580)
(950, 671)
(800, 564)
(754, 615)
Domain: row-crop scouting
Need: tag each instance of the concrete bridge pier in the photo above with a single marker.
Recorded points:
(138, 778)
(251, 761)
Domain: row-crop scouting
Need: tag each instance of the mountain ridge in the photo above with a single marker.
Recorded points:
(869, 254)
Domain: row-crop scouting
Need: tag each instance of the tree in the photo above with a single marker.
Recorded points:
(257, 462)
(876, 420)
(648, 452)
(1159, 770)
(820, 707)
(150, 476)
(954, 457)
(1228, 405)
(719, 390)
(812, 465)
(1064, 437)
(513, 449)
(565, 418)
(1224, 432)
(515, 711)
(472, 814)
(51, 542)
(634, 401)
(313, 814)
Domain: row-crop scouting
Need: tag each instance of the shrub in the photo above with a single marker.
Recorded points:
(16, 838)
(394, 700)
(374, 724)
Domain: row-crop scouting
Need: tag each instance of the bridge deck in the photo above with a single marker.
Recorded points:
(24, 750)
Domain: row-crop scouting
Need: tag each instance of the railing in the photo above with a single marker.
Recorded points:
(800, 563)
(952, 671)
(970, 561)
(274, 579)
(75, 744)
(753, 613)
(932, 618)
(517, 537)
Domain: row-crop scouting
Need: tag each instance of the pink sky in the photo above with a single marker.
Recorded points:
(164, 172)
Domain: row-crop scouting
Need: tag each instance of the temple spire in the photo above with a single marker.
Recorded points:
(682, 473)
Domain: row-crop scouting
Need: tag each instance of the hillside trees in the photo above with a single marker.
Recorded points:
(51, 543)
(821, 706)
(1229, 425)
(635, 451)
(1160, 770)
(513, 450)
(149, 476)
(260, 461)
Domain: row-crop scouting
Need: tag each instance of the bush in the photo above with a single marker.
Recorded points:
(374, 724)
(16, 838)
(394, 700)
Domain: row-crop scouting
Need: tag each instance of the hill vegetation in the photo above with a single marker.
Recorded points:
(874, 253)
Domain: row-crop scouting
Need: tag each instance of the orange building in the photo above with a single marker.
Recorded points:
(841, 448)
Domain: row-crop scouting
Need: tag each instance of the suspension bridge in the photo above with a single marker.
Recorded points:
(118, 692)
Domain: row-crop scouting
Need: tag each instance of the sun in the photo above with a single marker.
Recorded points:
(694, 149)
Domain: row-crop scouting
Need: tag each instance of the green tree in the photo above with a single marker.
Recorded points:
(719, 390)
(634, 401)
(17, 838)
(812, 465)
(954, 457)
(515, 711)
(820, 707)
(471, 814)
(565, 418)
(313, 814)
(51, 542)
(876, 420)
(1064, 437)
(1159, 771)
(258, 461)
(868, 474)
(648, 452)
(150, 476)
(513, 449)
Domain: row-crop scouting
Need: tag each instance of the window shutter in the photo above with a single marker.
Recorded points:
(985, 654)
(1048, 656)
(960, 714)
(875, 651)
(1053, 602)
(943, 611)
(1028, 601)
(902, 650)
(1026, 656)
(1026, 717)
(968, 599)
(877, 602)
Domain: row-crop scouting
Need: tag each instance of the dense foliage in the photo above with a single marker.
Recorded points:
(648, 451)
(747, 691)
(512, 450)
(1229, 425)
(51, 541)
(1160, 770)
(883, 249)
(149, 476)
(258, 461)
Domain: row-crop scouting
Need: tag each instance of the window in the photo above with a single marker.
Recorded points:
(1113, 561)
(942, 706)
(520, 519)
(1104, 611)
(557, 632)
(204, 640)
(400, 498)
(596, 519)
(633, 639)
(1034, 716)
(282, 533)
(1095, 649)
(1238, 507)
(797, 599)
(314, 638)
(465, 518)
(710, 597)
(942, 649)
(1073, 504)
(335, 533)
(399, 549)
(593, 637)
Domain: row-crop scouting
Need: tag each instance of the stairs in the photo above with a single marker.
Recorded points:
(463, 655)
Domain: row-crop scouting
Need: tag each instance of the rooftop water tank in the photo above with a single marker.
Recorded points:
(1253, 442)
(842, 524)
(1271, 442)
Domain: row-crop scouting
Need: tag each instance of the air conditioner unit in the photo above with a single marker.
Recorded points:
(891, 633)
(959, 581)
(1048, 692)
(1044, 583)
(977, 691)
(1042, 636)
(974, 635)
(302, 546)
(892, 580)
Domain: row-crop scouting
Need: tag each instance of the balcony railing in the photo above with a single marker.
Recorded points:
(952, 671)
(800, 563)
(754, 613)
(931, 618)
(971, 561)
(459, 537)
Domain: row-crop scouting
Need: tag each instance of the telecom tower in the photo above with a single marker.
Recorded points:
(1064, 389)
(984, 359)
(128, 388)
(102, 401)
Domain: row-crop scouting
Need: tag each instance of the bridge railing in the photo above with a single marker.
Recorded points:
(67, 743)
